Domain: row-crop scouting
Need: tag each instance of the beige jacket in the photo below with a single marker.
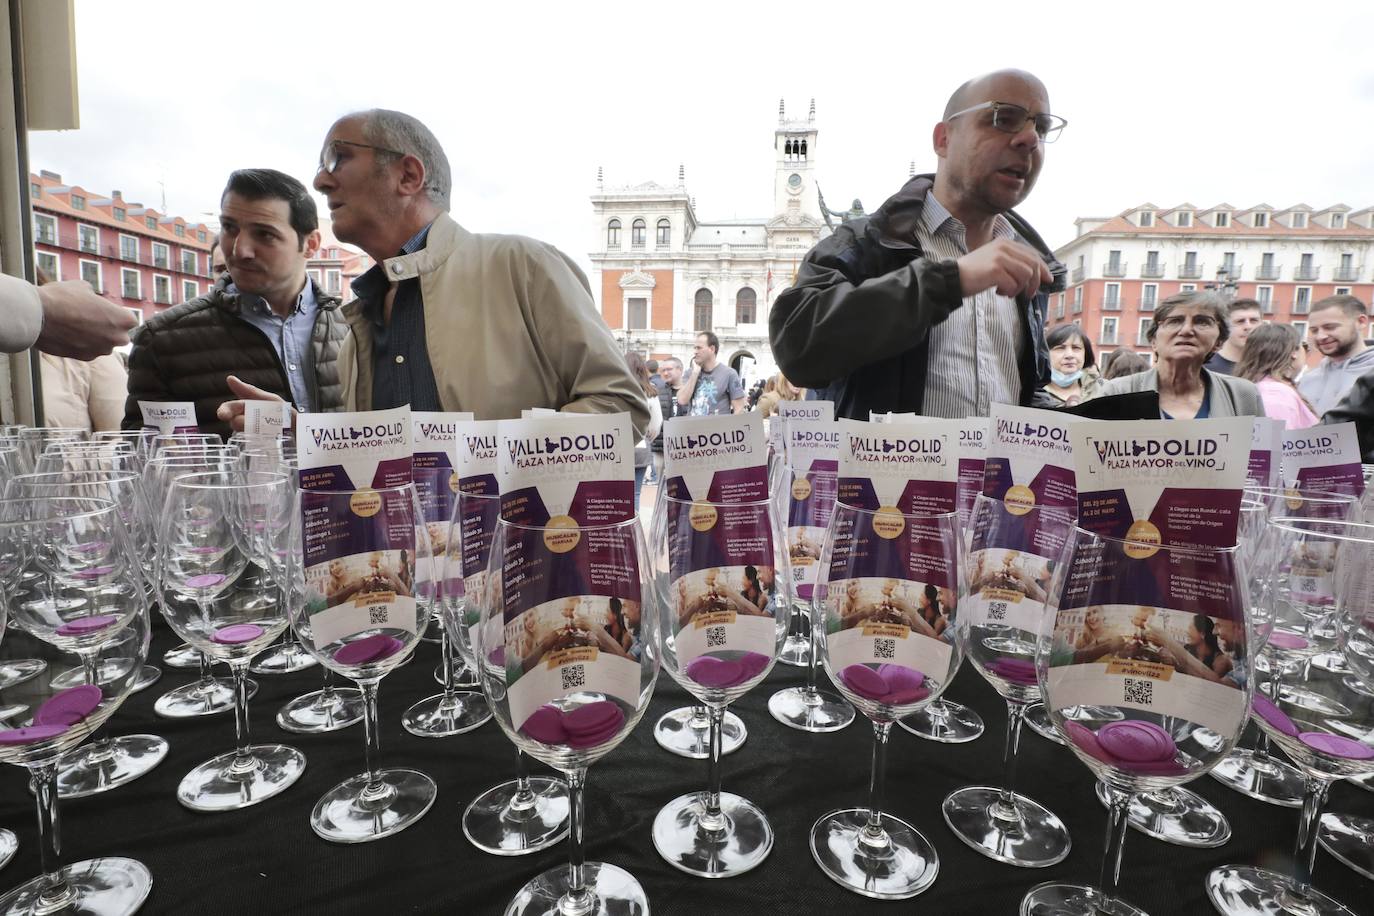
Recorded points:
(84, 395)
(510, 324)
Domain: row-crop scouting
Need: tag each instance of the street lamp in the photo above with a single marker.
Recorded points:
(1225, 285)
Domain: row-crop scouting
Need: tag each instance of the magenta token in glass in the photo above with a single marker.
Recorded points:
(69, 706)
(900, 677)
(370, 649)
(1282, 640)
(545, 725)
(1152, 767)
(1086, 740)
(1264, 707)
(95, 572)
(593, 717)
(1136, 741)
(864, 681)
(594, 738)
(14, 736)
(1016, 670)
(714, 672)
(1337, 745)
(237, 633)
(752, 664)
(904, 695)
(205, 580)
(84, 625)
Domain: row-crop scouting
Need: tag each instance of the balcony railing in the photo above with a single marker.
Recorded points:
(1105, 338)
(1148, 303)
(1345, 274)
(1308, 272)
(1268, 273)
(1077, 276)
(162, 264)
(1111, 305)
(1301, 306)
(47, 238)
(1267, 306)
(1152, 271)
(1188, 271)
(1114, 269)
(130, 292)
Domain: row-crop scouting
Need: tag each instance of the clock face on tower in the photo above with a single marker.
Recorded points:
(794, 182)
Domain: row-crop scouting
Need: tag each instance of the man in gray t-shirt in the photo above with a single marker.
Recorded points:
(713, 387)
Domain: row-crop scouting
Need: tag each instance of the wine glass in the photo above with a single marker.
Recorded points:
(724, 568)
(891, 644)
(360, 604)
(34, 440)
(1166, 697)
(454, 711)
(1327, 572)
(528, 813)
(218, 594)
(106, 638)
(562, 688)
(806, 501)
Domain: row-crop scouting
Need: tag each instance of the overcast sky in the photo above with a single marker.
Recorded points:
(1200, 102)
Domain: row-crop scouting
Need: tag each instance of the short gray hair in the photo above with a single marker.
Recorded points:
(1207, 300)
(397, 130)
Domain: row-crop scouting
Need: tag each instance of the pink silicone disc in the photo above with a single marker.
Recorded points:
(592, 739)
(864, 681)
(905, 695)
(1264, 707)
(593, 718)
(1136, 741)
(1016, 670)
(1283, 640)
(237, 633)
(372, 649)
(545, 725)
(95, 572)
(752, 664)
(84, 625)
(69, 706)
(900, 677)
(1153, 767)
(205, 580)
(13, 736)
(714, 672)
(1086, 739)
(1337, 745)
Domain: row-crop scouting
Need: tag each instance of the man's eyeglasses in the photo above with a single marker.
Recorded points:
(1012, 119)
(329, 159)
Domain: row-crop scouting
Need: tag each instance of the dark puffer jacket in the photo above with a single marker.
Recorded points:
(185, 353)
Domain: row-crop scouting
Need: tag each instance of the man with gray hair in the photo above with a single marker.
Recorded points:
(448, 319)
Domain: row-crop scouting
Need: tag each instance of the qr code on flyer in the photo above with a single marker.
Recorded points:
(379, 615)
(574, 677)
(1141, 692)
(715, 637)
(997, 610)
(885, 648)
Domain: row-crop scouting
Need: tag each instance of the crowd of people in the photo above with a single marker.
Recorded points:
(933, 304)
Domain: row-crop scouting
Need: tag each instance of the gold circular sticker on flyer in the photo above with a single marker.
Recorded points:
(888, 522)
(1293, 498)
(1142, 540)
(801, 488)
(1019, 499)
(702, 516)
(365, 503)
(561, 534)
(453, 481)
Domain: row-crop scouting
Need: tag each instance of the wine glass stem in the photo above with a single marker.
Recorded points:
(1118, 819)
(578, 899)
(206, 674)
(523, 793)
(44, 779)
(811, 661)
(877, 778)
(1304, 856)
(713, 820)
(90, 666)
(1006, 802)
(372, 732)
(239, 669)
(446, 656)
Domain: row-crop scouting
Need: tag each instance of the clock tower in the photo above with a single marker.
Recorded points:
(794, 181)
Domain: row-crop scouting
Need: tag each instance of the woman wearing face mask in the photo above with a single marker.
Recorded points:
(1073, 370)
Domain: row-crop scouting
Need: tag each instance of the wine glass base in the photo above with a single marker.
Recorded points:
(218, 785)
(1240, 890)
(16, 671)
(1331, 663)
(1034, 838)
(1054, 899)
(1358, 687)
(200, 699)
(349, 813)
(944, 721)
(463, 676)
(902, 866)
(284, 659)
(684, 733)
(1176, 816)
(496, 824)
(1038, 718)
(1312, 701)
(99, 887)
(796, 651)
(1269, 780)
(441, 716)
(9, 845)
(182, 656)
(613, 892)
(314, 713)
(149, 676)
(106, 672)
(105, 765)
(1348, 839)
(740, 843)
(811, 711)
(1362, 782)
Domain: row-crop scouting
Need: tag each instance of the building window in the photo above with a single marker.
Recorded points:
(333, 281)
(314, 274)
(179, 230)
(188, 261)
(90, 272)
(1337, 220)
(1147, 219)
(613, 234)
(44, 229)
(119, 213)
(1228, 263)
(1152, 268)
(46, 264)
(637, 233)
(1112, 299)
(162, 256)
(1342, 291)
(1187, 287)
(1059, 307)
(150, 222)
(1077, 299)
(200, 235)
(130, 283)
(78, 202)
(1223, 220)
(746, 306)
(190, 289)
(128, 248)
(138, 315)
(1305, 269)
(88, 239)
(1114, 266)
(1108, 331)
(1190, 266)
(1149, 295)
(702, 318)
(162, 290)
(35, 189)
(1301, 328)
(637, 315)
(1142, 337)
(1185, 219)
(1264, 295)
(665, 234)
(1299, 220)
(1302, 300)
(1266, 269)
(1261, 220)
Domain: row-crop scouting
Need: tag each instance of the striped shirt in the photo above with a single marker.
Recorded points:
(974, 353)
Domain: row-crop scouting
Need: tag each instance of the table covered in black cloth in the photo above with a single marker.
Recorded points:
(266, 859)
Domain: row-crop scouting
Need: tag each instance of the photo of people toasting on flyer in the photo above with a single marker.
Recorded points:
(1192, 644)
(923, 608)
(742, 589)
(578, 621)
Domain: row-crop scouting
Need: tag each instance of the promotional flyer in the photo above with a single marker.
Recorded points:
(266, 419)
(1323, 458)
(813, 452)
(802, 410)
(1266, 451)
(169, 417)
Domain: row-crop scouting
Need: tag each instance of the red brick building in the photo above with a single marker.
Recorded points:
(129, 253)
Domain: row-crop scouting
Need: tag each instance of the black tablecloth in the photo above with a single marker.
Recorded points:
(266, 859)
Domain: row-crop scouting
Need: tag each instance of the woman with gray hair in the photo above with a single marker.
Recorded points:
(1186, 330)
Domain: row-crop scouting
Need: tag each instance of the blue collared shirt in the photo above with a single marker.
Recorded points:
(290, 337)
(401, 370)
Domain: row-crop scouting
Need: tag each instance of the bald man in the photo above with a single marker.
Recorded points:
(935, 303)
